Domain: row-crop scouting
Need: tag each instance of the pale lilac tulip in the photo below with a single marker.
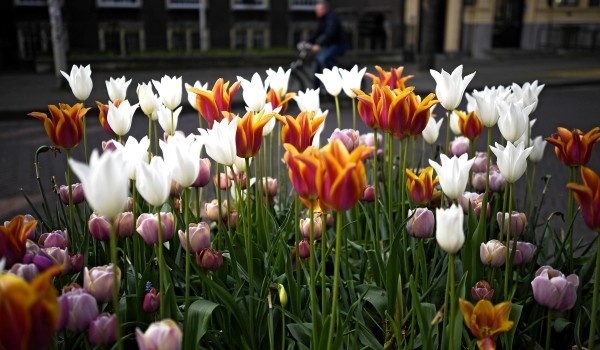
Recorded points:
(99, 281)
(552, 289)
(164, 334)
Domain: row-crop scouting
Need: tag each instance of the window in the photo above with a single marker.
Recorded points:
(30, 2)
(248, 35)
(121, 38)
(184, 37)
(565, 3)
(185, 4)
(119, 3)
(300, 31)
(34, 39)
(303, 5)
(249, 4)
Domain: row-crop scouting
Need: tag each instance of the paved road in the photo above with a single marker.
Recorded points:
(570, 100)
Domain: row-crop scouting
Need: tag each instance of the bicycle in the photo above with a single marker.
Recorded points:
(300, 78)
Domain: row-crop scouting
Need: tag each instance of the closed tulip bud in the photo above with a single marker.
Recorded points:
(77, 310)
(318, 227)
(77, 192)
(42, 261)
(231, 219)
(478, 181)
(459, 146)
(518, 222)
(103, 330)
(98, 281)
(199, 236)
(147, 227)
(420, 223)
(99, 227)
(475, 201)
(77, 262)
(497, 181)
(283, 298)
(203, 174)
(492, 253)
(538, 144)
(349, 137)
(304, 249)
(454, 127)
(58, 256)
(151, 301)
(164, 334)
(25, 271)
(482, 290)
(209, 259)
(449, 229)
(270, 186)
(58, 238)
(432, 130)
(480, 163)
(524, 253)
(369, 194)
(368, 140)
(552, 289)
(212, 210)
(124, 224)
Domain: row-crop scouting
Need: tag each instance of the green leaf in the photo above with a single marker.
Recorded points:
(375, 295)
(560, 324)
(301, 332)
(515, 316)
(422, 321)
(198, 317)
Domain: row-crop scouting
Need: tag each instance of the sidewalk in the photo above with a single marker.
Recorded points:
(21, 93)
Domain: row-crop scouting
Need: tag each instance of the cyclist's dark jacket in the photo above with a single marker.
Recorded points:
(329, 31)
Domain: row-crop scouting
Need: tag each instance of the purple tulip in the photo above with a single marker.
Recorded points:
(58, 238)
(76, 190)
(151, 301)
(209, 259)
(552, 289)
(147, 227)
(518, 222)
(98, 281)
(25, 271)
(482, 290)
(103, 330)
(421, 223)
(349, 137)
(99, 227)
(199, 236)
(77, 310)
(203, 177)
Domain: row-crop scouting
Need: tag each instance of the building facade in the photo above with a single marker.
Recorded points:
(123, 28)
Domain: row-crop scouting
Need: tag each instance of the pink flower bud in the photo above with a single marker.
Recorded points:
(98, 281)
(147, 227)
(480, 162)
(475, 201)
(164, 334)
(212, 210)
(318, 227)
(76, 262)
(369, 141)
(203, 174)
(459, 146)
(518, 223)
(151, 301)
(482, 290)
(552, 289)
(57, 256)
(524, 253)
(270, 186)
(420, 223)
(497, 181)
(209, 259)
(369, 194)
(304, 248)
(349, 137)
(231, 220)
(99, 227)
(492, 253)
(103, 330)
(478, 181)
(124, 224)
(199, 236)
(77, 191)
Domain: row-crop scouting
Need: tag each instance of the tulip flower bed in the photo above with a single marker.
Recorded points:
(248, 233)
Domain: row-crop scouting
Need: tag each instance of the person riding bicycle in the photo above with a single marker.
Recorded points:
(327, 42)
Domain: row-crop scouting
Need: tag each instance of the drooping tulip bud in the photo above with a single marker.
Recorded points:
(518, 222)
(492, 253)
(77, 192)
(420, 223)
(77, 310)
(98, 281)
(103, 330)
(482, 290)
(209, 259)
(151, 301)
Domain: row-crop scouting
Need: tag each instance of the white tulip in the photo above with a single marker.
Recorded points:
(117, 88)
(80, 81)
(308, 101)
(450, 88)
(133, 152)
(454, 127)
(432, 131)
(268, 128)
(278, 80)
(220, 141)
(511, 160)
(352, 79)
(105, 182)
(182, 155)
(168, 119)
(148, 101)
(484, 104)
(191, 96)
(538, 144)
(449, 232)
(453, 174)
(528, 93)
(120, 118)
(153, 181)
(169, 90)
(254, 92)
(514, 120)
(332, 80)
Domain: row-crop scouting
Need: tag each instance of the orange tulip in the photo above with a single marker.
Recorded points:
(301, 130)
(393, 79)
(588, 197)
(421, 188)
(413, 115)
(13, 237)
(248, 137)
(367, 107)
(341, 177)
(30, 311)
(470, 125)
(303, 170)
(276, 100)
(572, 147)
(214, 105)
(486, 321)
(103, 116)
(65, 129)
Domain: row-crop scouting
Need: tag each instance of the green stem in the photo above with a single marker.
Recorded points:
(222, 233)
(71, 229)
(376, 184)
(448, 113)
(390, 176)
(297, 238)
(155, 137)
(324, 301)
(452, 298)
(402, 185)
(592, 337)
(116, 282)
(337, 111)
(149, 138)
(508, 263)
(188, 250)
(313, 288)
(549, 330)
(249, 246)
(161, 268)
(354, 113)
(336, 277)
(570, 214)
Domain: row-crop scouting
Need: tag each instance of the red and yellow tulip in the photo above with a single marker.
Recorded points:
(421, 189)
(413, 114)
(302, 169)
(588, 197)
(277, 100)
(65, 129)
(486, 321)
(341, 176)
(30, 309)
(574, 148)
(248, 137)
(393, 79)
(470, 125)
(13, 238)
(214, 105)
(301, 130)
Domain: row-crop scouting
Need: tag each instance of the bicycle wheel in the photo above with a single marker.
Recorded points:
(297, 81)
